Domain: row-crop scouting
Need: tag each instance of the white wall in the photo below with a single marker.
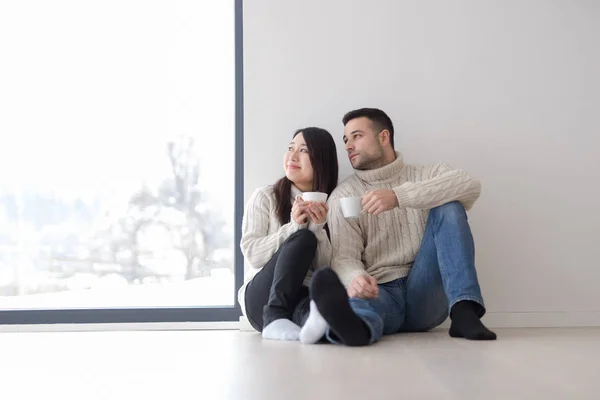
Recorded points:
(508, 90)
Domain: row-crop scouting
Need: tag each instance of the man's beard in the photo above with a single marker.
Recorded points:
(371, 161)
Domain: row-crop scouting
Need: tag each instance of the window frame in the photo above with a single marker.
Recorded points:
(168, 314)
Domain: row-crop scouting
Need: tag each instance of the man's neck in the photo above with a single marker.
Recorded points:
(390, 168)
(388, 158)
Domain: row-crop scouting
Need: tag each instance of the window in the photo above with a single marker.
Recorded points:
(120, 160)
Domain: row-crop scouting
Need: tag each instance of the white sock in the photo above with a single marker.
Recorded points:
(315, 326)
(281, 329)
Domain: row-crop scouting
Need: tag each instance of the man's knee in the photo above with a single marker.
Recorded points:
(450, 211)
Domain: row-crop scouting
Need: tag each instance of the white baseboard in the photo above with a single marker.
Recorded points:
(551, 319)
(245, 325)
(555, 319)
(571, 319)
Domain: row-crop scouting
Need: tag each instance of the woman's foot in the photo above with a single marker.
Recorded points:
(281, 329)
(315, 326)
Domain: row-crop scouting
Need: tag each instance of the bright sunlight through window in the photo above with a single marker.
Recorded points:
(117, 154)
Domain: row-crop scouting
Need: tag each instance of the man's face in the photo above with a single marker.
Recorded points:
(362, 144)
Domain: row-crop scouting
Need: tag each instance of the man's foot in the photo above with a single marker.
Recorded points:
(331, 300)
(466, 323)
(281, 329)
(315, 326)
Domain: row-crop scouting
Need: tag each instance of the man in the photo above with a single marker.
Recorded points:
(408, 261)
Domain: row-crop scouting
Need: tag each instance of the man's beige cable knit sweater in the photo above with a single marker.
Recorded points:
(385, 246)
(262, 235)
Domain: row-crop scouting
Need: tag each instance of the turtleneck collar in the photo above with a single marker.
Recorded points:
(295, 192)
(386, 173)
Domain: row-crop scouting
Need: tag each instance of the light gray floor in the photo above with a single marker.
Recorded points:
(207, 365)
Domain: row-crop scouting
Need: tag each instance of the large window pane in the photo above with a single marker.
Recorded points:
(117, 154)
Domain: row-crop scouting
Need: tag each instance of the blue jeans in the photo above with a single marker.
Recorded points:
(442, 275)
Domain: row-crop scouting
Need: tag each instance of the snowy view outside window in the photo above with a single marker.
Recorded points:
(117, 154)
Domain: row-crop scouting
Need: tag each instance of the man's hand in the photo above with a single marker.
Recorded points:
(364, 287)
(379, 200)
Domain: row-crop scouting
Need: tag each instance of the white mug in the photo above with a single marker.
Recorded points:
(315, 196)
(351, 206)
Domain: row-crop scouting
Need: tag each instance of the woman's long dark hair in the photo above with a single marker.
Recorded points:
(323, 157)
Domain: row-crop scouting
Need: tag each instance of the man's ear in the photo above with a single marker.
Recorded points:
(384, 137)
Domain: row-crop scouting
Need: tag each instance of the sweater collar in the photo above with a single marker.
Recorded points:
(295, 193)
(385, 173)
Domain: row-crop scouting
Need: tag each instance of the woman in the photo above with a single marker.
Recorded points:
(284, 238)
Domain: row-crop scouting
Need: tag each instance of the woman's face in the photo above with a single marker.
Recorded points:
(296, 163)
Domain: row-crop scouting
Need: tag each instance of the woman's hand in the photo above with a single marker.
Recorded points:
(317, 212)
(299, 211)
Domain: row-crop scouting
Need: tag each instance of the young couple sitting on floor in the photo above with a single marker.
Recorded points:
(387, 250)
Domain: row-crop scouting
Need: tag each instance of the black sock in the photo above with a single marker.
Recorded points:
(332, 302)
(466, 322)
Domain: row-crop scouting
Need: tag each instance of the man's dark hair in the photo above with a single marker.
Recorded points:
(379, 119)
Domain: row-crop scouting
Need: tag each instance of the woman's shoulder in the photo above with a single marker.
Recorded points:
(267, 190)
(263, 194)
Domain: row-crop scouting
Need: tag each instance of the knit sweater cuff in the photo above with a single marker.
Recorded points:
(348, 277)
(402, 196)
(296, 226)
(314, 228)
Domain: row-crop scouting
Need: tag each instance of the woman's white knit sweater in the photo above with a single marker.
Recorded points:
(263, 234)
